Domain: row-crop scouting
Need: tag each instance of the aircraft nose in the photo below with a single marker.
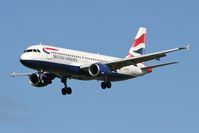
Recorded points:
(23, 59)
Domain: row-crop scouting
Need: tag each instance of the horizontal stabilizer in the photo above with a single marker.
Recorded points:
(159, 65)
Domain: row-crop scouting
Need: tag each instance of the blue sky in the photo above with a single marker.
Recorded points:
(163, 101)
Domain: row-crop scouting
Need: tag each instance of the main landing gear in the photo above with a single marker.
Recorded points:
(68, 90)
(65, 90)
(106, 84)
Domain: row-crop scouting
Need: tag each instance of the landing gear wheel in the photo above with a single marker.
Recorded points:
(103, 85)
(64, 91)
(108, 84)
(69, 91)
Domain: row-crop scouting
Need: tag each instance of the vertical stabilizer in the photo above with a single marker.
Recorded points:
(138, 45)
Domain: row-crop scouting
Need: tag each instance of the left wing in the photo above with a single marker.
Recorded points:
(117, 64)
(19, 74)
(14, 74)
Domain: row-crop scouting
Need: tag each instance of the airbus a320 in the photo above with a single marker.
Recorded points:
(53, 62)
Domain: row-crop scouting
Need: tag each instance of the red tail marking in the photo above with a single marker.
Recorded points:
(141, 39)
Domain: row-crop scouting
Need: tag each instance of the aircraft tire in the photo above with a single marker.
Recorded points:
(108, 84)
(103, 85)
(64, 91)
(69, 91)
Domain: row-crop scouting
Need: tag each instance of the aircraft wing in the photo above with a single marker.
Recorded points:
(14, 74)
(117, 64)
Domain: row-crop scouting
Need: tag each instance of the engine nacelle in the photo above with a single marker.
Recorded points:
(42, 81)
(98, 70)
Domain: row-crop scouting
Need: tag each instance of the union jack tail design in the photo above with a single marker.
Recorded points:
(138, 44)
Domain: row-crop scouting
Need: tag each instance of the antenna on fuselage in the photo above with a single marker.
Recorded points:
(40, 43)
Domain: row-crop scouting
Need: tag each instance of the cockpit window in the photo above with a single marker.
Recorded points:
(32, 50)
(29, 50)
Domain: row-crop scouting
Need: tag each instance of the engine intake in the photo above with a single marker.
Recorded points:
(98, 70)
(42, 81)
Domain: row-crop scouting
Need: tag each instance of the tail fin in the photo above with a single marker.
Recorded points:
(138, 44)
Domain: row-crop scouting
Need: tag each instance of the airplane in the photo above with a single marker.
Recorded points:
(53, 62)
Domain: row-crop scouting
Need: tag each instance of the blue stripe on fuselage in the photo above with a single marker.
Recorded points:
(69, 69)
(51, 66)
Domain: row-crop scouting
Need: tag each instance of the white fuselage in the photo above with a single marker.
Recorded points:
(68, 63)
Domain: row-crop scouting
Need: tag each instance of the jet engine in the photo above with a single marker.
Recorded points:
(40, 80)
(98, 70)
